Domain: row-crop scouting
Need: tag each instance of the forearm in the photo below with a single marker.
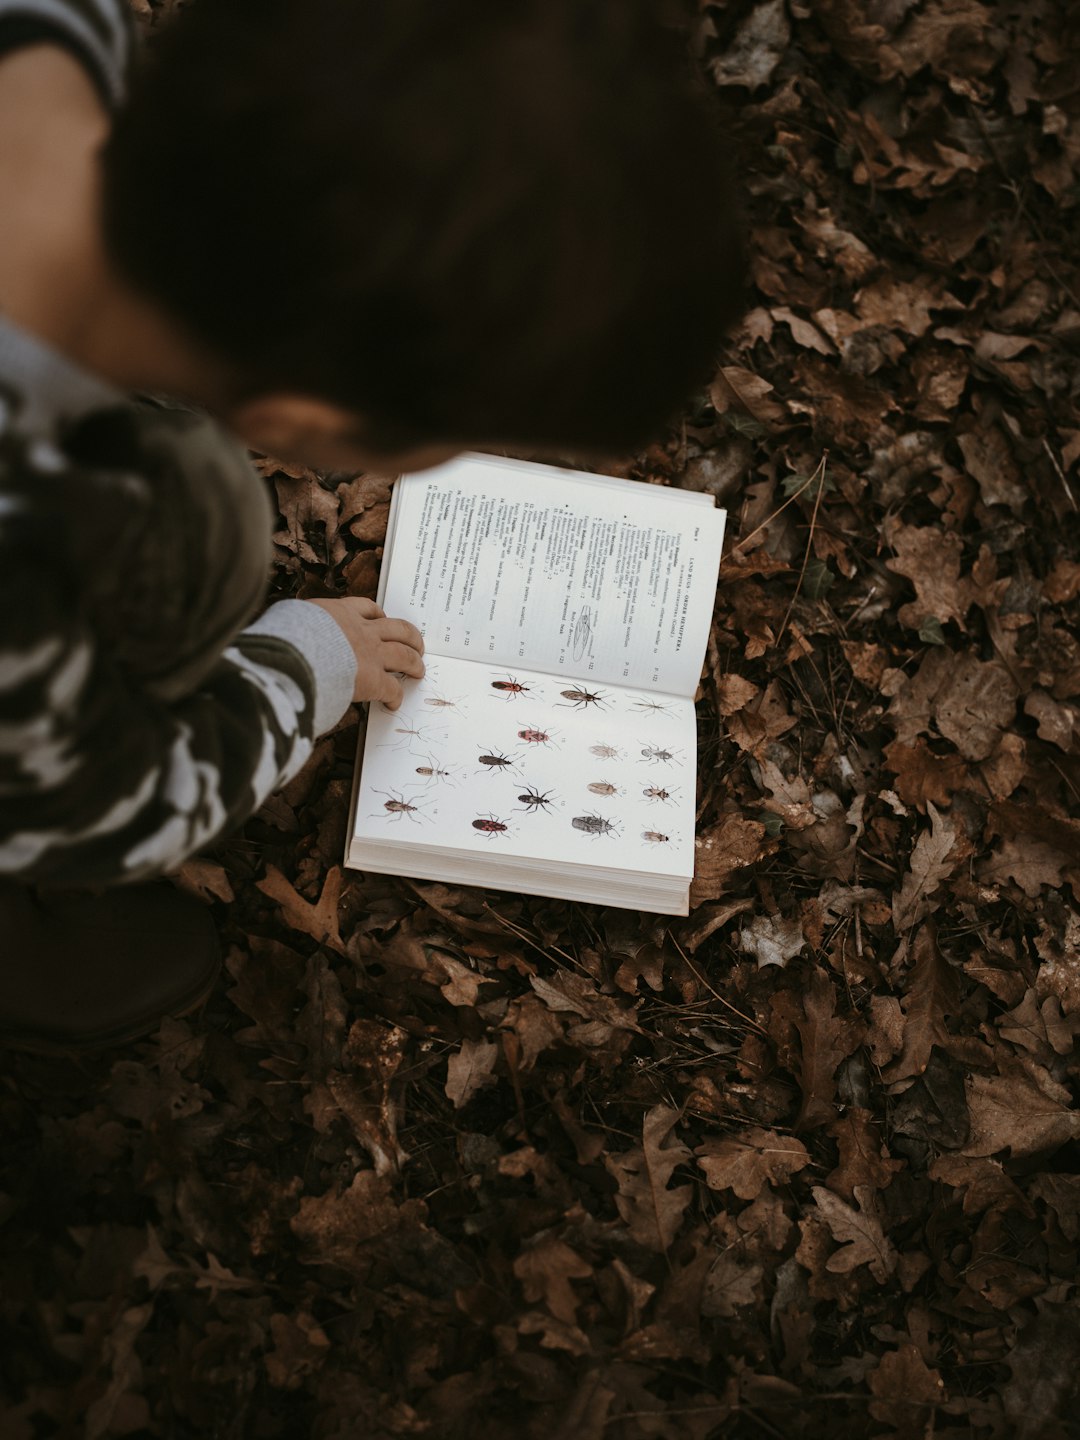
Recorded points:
(100, 784)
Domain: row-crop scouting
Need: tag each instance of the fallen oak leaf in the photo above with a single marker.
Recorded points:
(932, 994)
(1023, 1109)
(922, 776)
(932, 861)
(321, 1023)
(341, 1227)
(746, 1162)
(772, 939)
(735, 386)
(300, 1345)
(204, 879)
(969, 701)
(802, 331)
(754, 51)
(825, 1040)
(1044, 1381)
(724, 849)
(651, 1211)
(930, 558)
(469, 1070)
(310, 512)
(729, 1286)
(905, 1390)
(319, 920)
(864, 1161)
(858, 1232)
(545, 1269)
(1036, 847)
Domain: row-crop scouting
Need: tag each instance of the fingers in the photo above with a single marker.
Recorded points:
(393, 692)
(367, 609)
(403, 659)
(402, 631)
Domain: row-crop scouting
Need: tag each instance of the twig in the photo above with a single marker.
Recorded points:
(779, 511)
(819, 474)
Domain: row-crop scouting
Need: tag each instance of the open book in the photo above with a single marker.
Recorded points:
(550, 748)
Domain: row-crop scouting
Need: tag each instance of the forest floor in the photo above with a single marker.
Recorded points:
(454, 1163)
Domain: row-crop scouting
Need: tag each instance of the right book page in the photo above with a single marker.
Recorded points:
(510, 563)
(553, 771)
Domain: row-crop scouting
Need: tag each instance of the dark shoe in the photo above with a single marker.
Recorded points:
(81, 972)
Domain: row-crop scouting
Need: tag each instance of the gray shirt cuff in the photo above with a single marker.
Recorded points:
(321, 641)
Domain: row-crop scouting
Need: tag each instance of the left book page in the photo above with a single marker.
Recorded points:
(555, 772)
(510, 563)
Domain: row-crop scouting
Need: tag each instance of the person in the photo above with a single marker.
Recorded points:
(362, 234)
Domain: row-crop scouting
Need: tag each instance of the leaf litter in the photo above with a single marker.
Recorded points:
(436, 1162)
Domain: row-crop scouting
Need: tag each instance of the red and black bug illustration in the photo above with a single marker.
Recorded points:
(656, 755)
(533, 800)
(490, 826)
(657, 793)
(654, 837)
(495, 762)
(595, 825)
(606, 752)
(510, 687)
(579, 699)
(604, 787)
(397, 807)
(532, 735)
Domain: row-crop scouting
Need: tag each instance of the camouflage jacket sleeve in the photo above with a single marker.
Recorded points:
(132, 730)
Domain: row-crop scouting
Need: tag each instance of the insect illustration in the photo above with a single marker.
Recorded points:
(652, 707)
(604, 787)
(654, 837)
(433, 772)
(494, 762)
(579, 699)
(658, 793)
(510, 687)
(407, 733)
(533, 736)
(533, 800)
(654, 755)
(396, 806)
(595, 825)
(490, 826)
(438, 703)
(606, 752)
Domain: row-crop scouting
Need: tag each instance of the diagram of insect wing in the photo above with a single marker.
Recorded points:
(581, 641)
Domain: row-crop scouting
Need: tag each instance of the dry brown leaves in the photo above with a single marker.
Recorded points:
(448, 1163)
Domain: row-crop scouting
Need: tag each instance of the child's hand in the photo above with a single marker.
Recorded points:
(384, 649)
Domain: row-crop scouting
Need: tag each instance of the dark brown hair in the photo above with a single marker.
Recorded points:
(467, 220)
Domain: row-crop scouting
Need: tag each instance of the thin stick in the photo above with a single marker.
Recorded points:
(820, 471)
(767, 522)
